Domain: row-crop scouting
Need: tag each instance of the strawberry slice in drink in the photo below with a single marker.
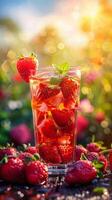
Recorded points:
(48, 128)
(64, 118)
(45, 92)
(66, 153)
(70, 90)
(50, 153)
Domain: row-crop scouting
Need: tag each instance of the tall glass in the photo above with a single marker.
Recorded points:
(55, 101)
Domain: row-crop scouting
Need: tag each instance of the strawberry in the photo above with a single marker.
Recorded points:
(31, 149)
(48, 128)
(79, 150)
(45, 92)
(13, 170)
(100, 158)
(24, 156)
(26, 66)
(69, 88)
(94, 147)
(50, 154)
(82, 172)
(9, 151)
(64, 118)
(66, 153)
(36, 172)
(110, 159)
(104, 161)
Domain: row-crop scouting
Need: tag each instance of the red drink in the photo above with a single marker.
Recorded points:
(55, 101)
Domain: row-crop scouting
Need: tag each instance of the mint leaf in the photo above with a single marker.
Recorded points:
(62, 69)
(55, 81)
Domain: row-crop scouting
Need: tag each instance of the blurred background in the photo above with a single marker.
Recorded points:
(75, 31)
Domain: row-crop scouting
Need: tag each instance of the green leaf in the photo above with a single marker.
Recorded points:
(99, 174)
(62, 69)
(99, 190)
(36, 156)
(4, 159)
(97, 164)
(83, 157)
(55, 81)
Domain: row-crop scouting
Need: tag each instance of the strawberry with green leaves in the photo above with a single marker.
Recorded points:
(36, 172)
(9, 151)
(27, 66)
(12, 170)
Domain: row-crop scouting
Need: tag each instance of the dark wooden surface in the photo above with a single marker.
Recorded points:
(55, 188)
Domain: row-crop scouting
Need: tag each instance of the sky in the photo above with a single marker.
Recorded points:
(33, 15)
(43, 6)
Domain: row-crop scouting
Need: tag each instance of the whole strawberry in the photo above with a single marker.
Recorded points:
(13, 170)
(99, 158)
(82, 172)
(31, 149)
(79, 150)
(94, 147)
(9, 151)
(36, 172)
(27, 66)
(24, 156)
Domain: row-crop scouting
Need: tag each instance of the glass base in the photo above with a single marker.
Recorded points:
(59, 170)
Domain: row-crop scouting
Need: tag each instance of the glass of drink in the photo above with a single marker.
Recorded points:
(55, 101)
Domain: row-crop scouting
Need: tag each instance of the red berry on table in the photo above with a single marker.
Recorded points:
(81, 173)
(64, 118)
(94, 147)
(91, 156)
(31, 149)
(50, 153)
(66, 153)
(9, 151)
(24, 156)
(13, 170)
(36, 172)
(79, 150)
(48, 128)
(104, 161)
(26, 66)
(100, 158)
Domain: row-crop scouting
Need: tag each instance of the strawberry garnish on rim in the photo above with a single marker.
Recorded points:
(27, 66)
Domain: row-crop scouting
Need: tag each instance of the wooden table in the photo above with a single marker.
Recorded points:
(56, 189)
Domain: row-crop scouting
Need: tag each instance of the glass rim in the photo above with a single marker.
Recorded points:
(49, 71)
